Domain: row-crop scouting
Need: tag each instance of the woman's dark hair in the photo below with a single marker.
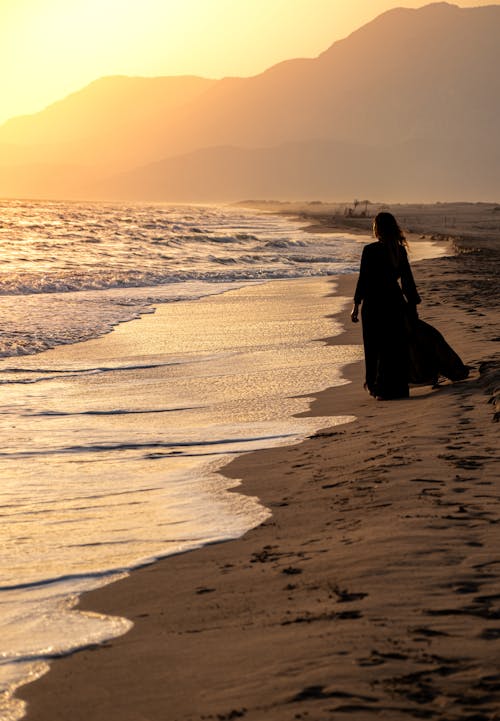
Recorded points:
(387, 230)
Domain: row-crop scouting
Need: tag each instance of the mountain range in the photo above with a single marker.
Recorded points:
(407, 108)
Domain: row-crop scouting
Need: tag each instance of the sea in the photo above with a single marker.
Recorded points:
(143, 346)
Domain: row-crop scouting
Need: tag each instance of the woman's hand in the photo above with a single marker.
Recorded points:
(354, 313)
(411, 312)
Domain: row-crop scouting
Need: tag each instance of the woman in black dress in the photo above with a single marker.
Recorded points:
(389, 297)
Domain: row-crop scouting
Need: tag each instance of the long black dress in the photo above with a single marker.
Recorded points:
(388, 295)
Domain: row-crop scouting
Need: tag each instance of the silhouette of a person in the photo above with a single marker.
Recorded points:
(388, 297)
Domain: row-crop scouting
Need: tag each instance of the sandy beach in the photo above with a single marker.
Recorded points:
(372, 591)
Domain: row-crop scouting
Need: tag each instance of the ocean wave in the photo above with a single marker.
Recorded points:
(167, 448)
(38, 375)
(112, 412)
(55, 255)
(59, 247)
(33, 323)
(269, 267)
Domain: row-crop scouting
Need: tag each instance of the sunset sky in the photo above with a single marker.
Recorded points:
(49, 48)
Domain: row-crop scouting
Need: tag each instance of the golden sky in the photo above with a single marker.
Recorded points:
(49, 48)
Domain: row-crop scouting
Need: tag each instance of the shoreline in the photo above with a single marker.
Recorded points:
(466, 225)
(235, 606)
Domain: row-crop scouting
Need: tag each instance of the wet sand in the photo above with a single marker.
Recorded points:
(373, 591)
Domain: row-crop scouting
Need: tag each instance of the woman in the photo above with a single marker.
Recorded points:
(389, 298)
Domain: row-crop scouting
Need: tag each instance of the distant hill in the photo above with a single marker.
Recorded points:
(113, 122)
(405, 108)
(316, 170)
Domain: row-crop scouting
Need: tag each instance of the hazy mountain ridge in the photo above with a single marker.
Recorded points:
(114, 119)
(405, 106)
(315, 169)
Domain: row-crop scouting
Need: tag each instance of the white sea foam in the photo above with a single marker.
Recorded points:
(59, 247)
(112, 451)
(71, 271)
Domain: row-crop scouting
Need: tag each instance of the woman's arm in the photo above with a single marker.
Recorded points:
(360, 291)
(407, 282)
